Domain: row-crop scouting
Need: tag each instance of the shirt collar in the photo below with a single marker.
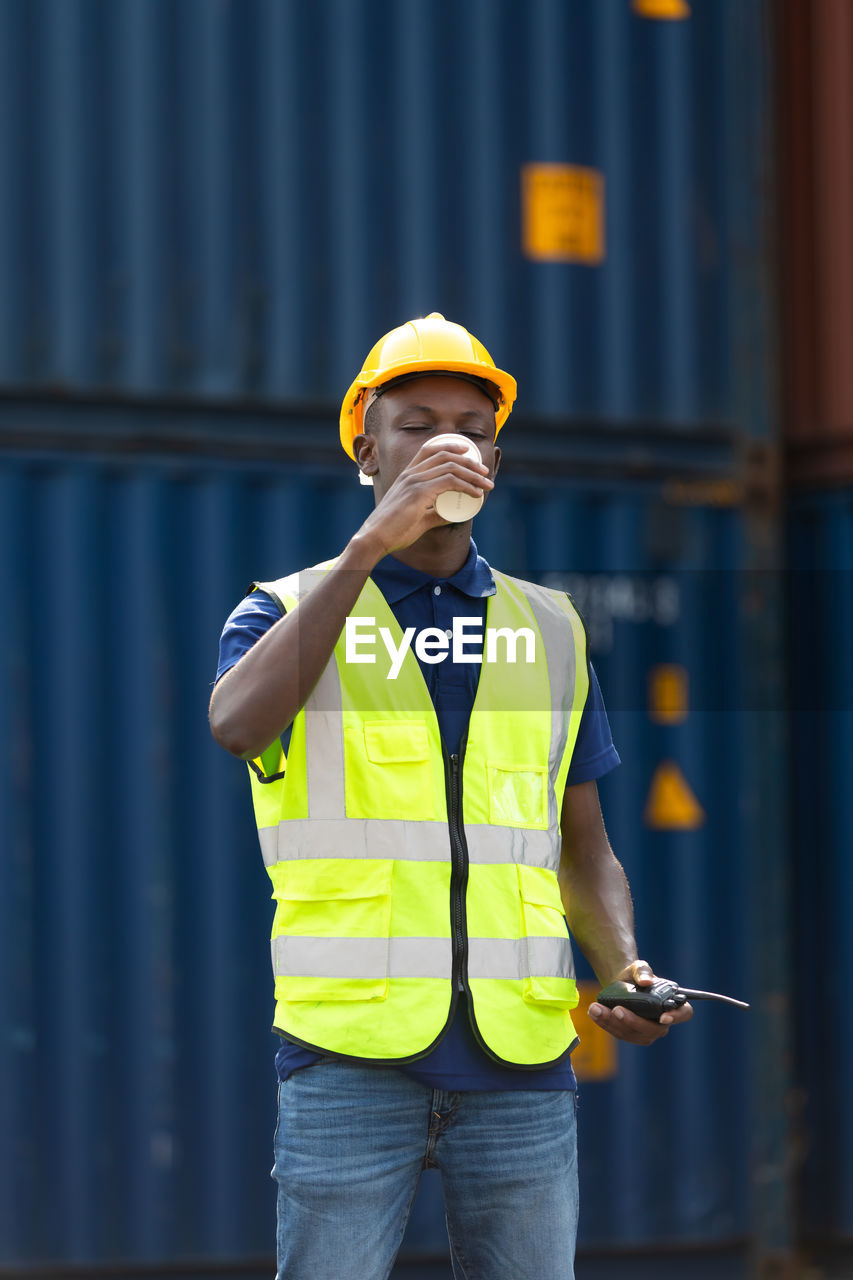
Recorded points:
(396, 580)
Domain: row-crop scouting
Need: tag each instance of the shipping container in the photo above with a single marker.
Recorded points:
(232, 200)
(136, 1074)
(816, 213)
(821, 610)
(211, 210)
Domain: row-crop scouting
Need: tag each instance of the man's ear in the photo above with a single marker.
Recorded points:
(364, 448)
(497, 460)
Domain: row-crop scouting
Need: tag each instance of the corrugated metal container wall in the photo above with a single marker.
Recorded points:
(136, 1076)
(816, 213)
(235, 199)
(821, 559)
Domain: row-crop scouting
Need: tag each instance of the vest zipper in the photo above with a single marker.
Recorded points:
(458, 872)
(458, 910)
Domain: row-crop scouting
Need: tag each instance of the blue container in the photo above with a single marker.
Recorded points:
(136, 1073)
(232, 200)
(821, 606)
(213, 209)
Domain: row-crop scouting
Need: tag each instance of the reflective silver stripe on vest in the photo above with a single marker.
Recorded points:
(513, 958)
(324, 747)
(520, 958)
(324, 743)
(295, 957)
(324, 728)
(553, 626)
(404, 841)
(488, 845)
(355, 838)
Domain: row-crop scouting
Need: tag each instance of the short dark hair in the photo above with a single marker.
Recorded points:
(369, 422)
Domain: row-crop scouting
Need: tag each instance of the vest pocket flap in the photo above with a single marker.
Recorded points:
(333, 880)
(559, 993)
(539, 887)
(396, 741)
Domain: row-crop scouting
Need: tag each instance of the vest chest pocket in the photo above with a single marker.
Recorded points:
(331, 932)
(518, 797)
(549, 976)
(388, 770)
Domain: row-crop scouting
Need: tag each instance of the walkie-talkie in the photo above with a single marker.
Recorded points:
(662, 996)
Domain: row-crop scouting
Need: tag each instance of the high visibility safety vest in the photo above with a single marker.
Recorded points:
(401, 873)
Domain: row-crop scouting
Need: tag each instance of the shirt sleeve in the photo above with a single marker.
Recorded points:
(594, 754)
(244, 627)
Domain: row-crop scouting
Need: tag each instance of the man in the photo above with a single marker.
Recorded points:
(425, 735)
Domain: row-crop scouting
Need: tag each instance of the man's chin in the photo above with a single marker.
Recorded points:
(449, 526)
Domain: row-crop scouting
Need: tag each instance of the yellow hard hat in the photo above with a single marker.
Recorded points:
(428, 345)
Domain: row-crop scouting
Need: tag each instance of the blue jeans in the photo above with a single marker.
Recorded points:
(350, 1145)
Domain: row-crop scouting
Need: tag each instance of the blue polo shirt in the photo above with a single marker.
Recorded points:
(417, 600)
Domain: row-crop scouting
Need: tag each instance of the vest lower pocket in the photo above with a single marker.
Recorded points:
(549, 976)
(559, 993)
(331, 931)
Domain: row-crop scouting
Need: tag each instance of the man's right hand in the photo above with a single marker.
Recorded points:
(407, 510)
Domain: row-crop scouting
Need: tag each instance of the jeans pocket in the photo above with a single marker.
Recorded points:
(275, 1131)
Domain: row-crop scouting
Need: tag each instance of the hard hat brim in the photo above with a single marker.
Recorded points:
(351, 420)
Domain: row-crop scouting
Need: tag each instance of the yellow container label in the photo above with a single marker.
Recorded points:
(562, 213)
(663, 10)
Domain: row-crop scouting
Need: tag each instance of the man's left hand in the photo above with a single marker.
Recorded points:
(625, 1025)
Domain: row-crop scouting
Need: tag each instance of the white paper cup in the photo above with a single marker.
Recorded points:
(453, 505)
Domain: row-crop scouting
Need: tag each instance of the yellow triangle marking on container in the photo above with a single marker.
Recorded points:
(667, 9)
(671, 804)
